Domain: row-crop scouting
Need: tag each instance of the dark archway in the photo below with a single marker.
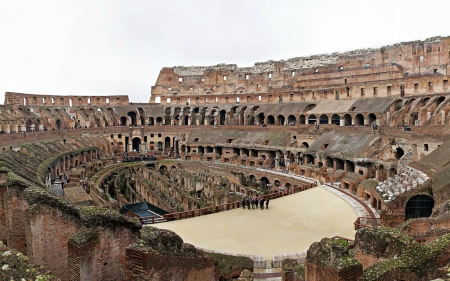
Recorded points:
(58, 124)
(347, 120)
(123, 121)
(359, 120)
(291, 120)
(419, 206)
(335, 119)
(280, 120)
(222, 117)
(132, 116)
(302, 119)
(270, 120)
(323, 119)
(151, 121)
(372, 118)
(399, 153)
(167, 143)
(312, 119)
(136, 144)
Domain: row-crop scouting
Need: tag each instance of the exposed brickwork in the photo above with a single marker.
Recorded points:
(15, 219)
(316, 272)
(152, 266)
(49, 231)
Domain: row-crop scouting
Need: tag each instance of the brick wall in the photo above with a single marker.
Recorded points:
(3, 226)
(15, 206)
(154, 266)
(49, 230)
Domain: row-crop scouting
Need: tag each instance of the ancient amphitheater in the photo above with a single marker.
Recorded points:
(350, 148)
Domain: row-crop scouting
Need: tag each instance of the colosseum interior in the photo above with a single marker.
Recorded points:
(370, 126)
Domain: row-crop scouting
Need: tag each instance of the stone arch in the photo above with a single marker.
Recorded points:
(419, 206)
(151, 121)
(359, 120)
(372, 118)
(280, 120)
(348, 120)
(132, 116)
(167, 143)
(159, 121)
(136, 144)
(270, 120)
(323, 119)
(123, 121)
(335, 119)
(302, 119)
(304, 145)
(312, 119)
(292, 120)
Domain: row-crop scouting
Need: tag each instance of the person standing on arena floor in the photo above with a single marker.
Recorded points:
(267, 203)
(261, 204)
(243, 203)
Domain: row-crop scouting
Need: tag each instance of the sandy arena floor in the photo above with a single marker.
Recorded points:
(290, 225)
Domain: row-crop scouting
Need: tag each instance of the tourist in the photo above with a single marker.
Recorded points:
(243, 203)
(261, 203)
(267, 203)
(248, 202)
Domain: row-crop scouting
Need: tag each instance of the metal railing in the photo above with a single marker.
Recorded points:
(362, 222)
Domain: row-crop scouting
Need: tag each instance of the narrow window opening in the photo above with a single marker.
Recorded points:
(375, 91)
(430, 85)
(425, 147)
(180, 79)
(389, 89)
(247, 76)
(224, 78)
(270, 75)
(363, 91)
(292, 73)
(416, 87)
(341, 68)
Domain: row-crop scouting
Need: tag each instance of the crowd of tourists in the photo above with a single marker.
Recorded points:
(254, 202)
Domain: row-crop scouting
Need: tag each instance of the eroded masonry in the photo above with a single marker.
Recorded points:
(371, 123)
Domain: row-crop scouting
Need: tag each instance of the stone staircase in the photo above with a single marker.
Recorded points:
(406, 179)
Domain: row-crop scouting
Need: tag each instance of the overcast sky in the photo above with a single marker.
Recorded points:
(115, 47)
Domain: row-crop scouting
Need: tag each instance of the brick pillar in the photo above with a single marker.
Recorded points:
(15, 205)
(79, 257)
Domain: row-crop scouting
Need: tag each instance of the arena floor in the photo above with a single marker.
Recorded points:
(290, 225)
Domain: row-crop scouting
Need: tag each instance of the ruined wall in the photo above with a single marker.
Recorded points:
(15, 204)
(54, 100)
(162, 255)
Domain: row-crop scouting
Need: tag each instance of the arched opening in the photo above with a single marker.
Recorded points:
(151, 121)
(287, 186)
(312, 119)
(359, 120)
(392, 172)
(323, 119)
(280, 120)
(270, 120)
(136, 144)
(439, 100)
(302, 119)
(304, 145)
(350, 166)
(222, 117)
(398, 105)
(291, 120)
(347, 120)
(335, 119)
(260, 117)
(339, 164)
(309, 159)
(123, 121)
(58, 124)
(167, 143)
(132, 116)
(414, 118)
(419, 206)
(186, 120)
(399, 153)
(264, 183)
(329, 163)
(159, 121)
(152, 145)
(372, 118)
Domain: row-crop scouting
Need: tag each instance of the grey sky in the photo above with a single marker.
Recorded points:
(115, 47)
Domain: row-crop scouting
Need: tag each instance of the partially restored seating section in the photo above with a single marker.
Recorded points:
(372, 122)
